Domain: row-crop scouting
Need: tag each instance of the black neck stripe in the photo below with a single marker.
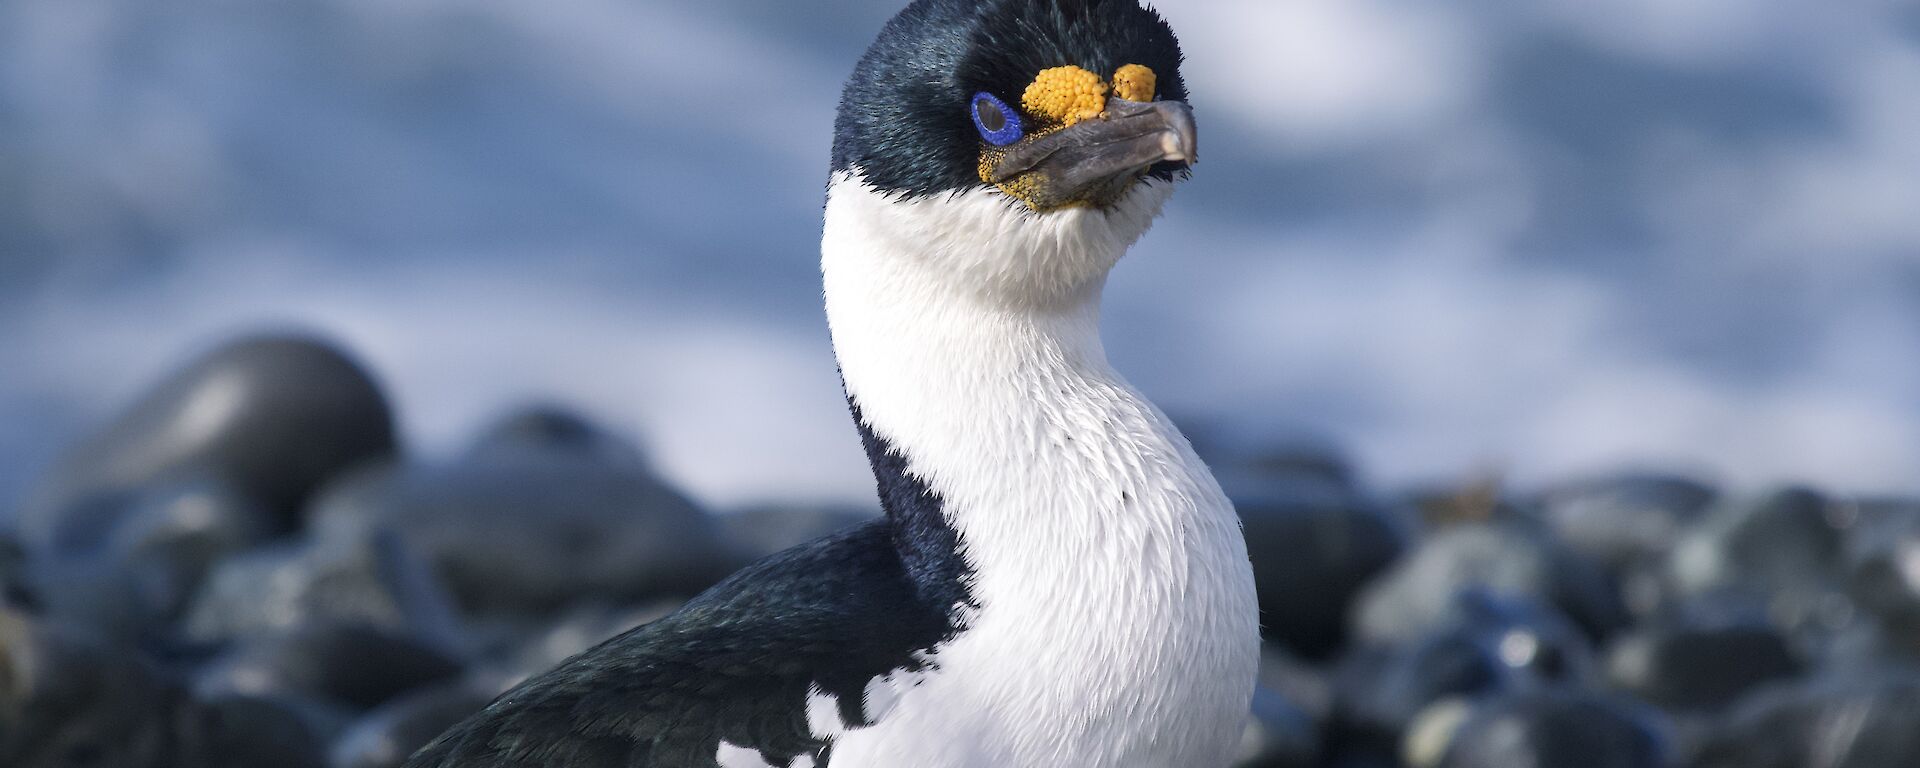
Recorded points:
(929, 546)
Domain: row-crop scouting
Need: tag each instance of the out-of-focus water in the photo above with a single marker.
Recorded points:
(1541, 238)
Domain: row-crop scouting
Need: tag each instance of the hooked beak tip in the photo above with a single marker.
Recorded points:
(1181, 140)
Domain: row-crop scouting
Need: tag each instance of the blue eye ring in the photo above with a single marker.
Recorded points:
(999, 124)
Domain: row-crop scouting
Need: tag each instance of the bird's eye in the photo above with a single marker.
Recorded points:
(998, 123)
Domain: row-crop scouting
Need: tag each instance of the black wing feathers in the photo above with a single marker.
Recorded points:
(734, 665)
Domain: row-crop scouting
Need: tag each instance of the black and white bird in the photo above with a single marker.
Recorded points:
(1058, 580)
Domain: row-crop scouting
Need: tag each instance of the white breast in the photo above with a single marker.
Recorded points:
(1116, 623)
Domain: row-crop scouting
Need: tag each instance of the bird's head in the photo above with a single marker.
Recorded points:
(996, 132)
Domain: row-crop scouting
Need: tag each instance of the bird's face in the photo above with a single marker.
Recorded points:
(1056, 104)
(1024, 143)
(1080, 140)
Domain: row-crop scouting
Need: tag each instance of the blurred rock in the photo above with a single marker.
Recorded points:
(1314, 544)
(581, 627)
(69, 698)
(186, 526)
(1699, 667)
(139, 578)
(1235, 450)
(1781, 542)
(356, 667)
(1432, 731)
(249, 732)
(1302, 684)
(554, 429)
(1415, 595)
(528, 532)
(273, 416)
(1492, 645)
(1859, 721)
(763, 530)
(1883, 567)
(349, 576)
(1278, 735)
(1624, 519)
(13, 573)
(394, 730)
(1786, 548)
(122, 604)
(1478, 501)
(1558, 727)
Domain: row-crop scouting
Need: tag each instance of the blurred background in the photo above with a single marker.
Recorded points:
(361, 358)
(1534, 239)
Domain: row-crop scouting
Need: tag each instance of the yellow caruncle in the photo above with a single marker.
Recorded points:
(1057, 99)
(1135, 83)
(1062, 96)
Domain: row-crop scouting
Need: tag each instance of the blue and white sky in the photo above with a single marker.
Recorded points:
(1543, 239)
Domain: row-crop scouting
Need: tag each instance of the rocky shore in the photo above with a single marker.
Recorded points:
(244, 569)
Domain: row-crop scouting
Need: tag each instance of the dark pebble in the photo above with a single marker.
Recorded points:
(273, 416)
(1478, 502)
(1279, 735)
(1624, 519)
(579, 628)
(1700, 667)
(1492, 645)
(1871, 720)
(348, 575)
(386, 736)
(1883, 567)
(254, 731)
(1557, 728)
(13, 573)
(71, 698)
(356, 667)
(763, 530)
(1314, 544)
(154, 557)
(1233, 450)
(1786, 548)
(1305, 685)
(1418, 592)
(554, 429)
(1779, 542)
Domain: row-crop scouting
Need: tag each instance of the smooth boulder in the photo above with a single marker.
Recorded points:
(527, 532)
(275, 416)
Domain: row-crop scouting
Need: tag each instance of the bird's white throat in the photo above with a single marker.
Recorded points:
(1114, 596)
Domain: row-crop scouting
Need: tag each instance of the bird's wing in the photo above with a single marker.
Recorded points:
(735, 665)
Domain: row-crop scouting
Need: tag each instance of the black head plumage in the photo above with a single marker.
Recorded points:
(903, 116)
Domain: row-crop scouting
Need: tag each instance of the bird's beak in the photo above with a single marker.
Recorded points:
(1096, 160)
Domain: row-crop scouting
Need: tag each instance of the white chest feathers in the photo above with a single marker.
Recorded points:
(1116, 625)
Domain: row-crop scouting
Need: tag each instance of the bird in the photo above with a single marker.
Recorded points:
(1057, 579)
